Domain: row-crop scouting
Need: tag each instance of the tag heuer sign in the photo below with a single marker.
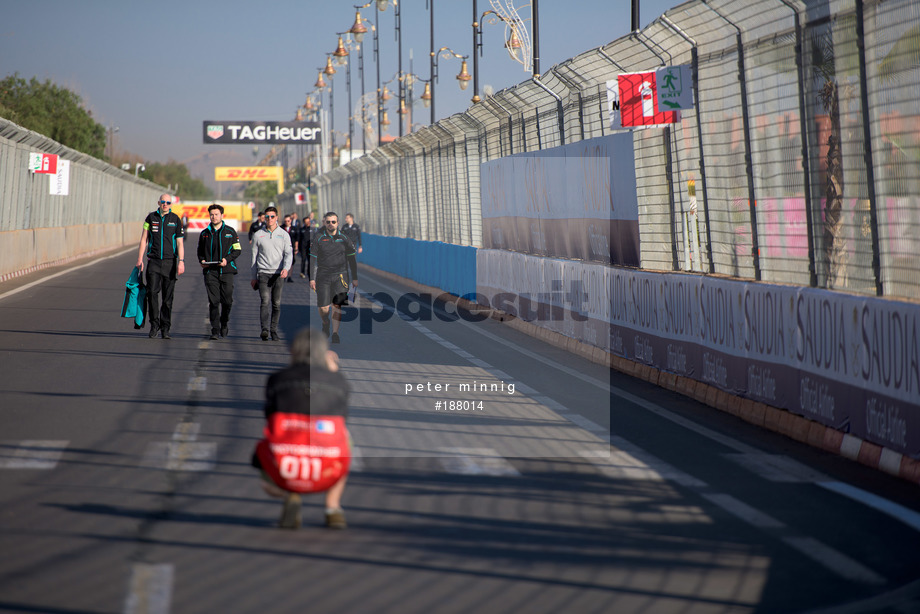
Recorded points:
(261, 133)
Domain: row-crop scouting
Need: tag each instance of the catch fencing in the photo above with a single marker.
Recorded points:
(104, 207)
(801, 154)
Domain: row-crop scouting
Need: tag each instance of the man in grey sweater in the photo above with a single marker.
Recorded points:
(272, 259)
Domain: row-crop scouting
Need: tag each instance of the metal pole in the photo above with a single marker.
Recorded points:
(476, 32)
(402, 94)
(351, 124)
(409, 88)
(510, 124)
(572, 86)
(536, 40)
(332, 116)
(559, 108)
(867, 147)
(748, 159)
(695, 67)
(635, 16)
(431, 55)
(675, 265)
(377, 59)
(363, 127)
(806, 164)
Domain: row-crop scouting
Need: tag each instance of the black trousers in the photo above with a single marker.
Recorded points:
(220, 298)
(304, 257)
(161, 279)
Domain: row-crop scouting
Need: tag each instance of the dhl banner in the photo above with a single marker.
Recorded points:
(251, 173)
(236, 215)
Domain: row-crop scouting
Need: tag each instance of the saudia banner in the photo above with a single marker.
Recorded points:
(850, 362)
(261, 133)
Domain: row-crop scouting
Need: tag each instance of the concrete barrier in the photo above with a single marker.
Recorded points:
(30, 250)
(18, 249)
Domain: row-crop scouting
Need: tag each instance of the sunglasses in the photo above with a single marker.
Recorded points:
(271, 216)
(164, 202)
(331, 222)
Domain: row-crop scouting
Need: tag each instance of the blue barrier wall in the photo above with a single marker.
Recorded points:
(442, 265)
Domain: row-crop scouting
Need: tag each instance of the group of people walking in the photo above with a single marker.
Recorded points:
(328, 255)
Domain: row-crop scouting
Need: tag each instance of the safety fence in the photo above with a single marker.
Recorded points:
(798, 164)
(99, 206)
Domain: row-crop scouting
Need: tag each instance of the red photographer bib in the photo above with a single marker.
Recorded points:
(304, 454)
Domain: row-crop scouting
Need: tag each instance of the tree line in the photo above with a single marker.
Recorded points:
(60, 115)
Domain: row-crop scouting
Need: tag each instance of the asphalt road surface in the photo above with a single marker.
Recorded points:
(125, 483)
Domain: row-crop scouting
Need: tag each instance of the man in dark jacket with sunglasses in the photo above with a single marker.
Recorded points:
(163, 244)
(332, 257)
(218, 249)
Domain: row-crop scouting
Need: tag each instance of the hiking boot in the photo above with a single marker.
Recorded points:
(165, 333)
(335, 338)
(154, 331)
(264, 335)
(275, 336)
(290, 512)
(335, 519)
(213, 336)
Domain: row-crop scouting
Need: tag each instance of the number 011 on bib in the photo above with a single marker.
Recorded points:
(303, 453)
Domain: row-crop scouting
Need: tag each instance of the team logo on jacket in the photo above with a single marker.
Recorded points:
(325, 426)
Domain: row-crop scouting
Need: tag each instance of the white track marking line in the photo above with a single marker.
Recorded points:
(836, 561)
(32, 454)
(65, 272)
(476, 461)
(150, 589)
(905, 515)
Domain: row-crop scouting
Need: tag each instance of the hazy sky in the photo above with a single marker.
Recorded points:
(157, 70)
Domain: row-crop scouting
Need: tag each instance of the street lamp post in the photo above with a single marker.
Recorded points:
(477, 45)
(402, 92)
(428, 90)
(522, 48)
(341, 53)
(535, 15)
(382, 6)
(330, 71)
(410, 78)
(361, 71)
(358, 30)
(446, 52)
(112, 130)
(426, 97)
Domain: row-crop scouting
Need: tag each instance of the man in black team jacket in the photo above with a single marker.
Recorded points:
(162, 242)
(218, 249)
(352, 231)
(330, 253)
